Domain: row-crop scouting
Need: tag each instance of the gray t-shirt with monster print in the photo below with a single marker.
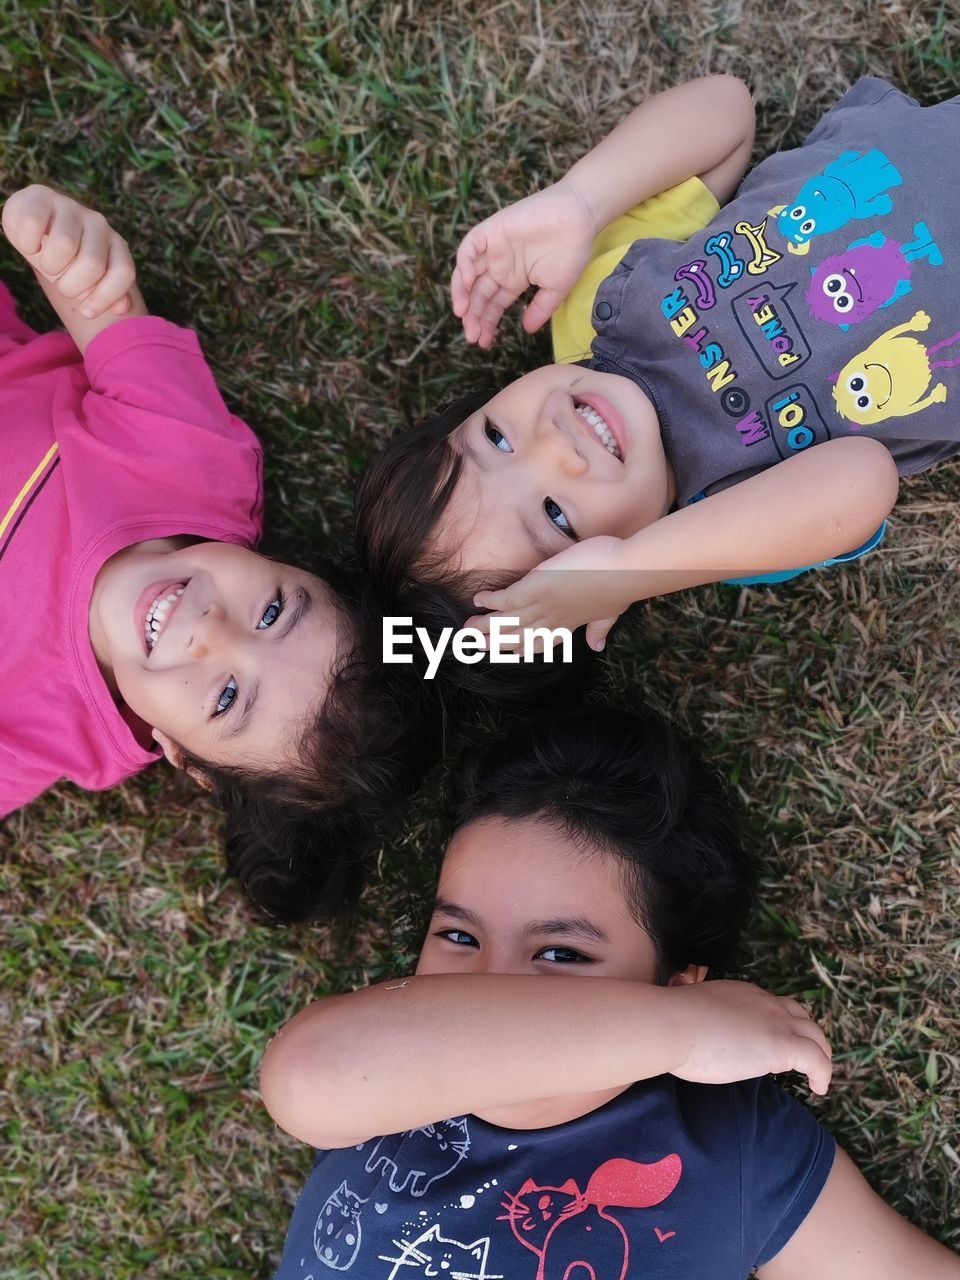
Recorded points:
(817, 303)
(669, 1179)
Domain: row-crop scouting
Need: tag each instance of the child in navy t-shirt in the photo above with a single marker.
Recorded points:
(498, 1116)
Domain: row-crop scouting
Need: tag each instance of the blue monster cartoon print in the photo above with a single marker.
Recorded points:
(855, 185)
(870, 274)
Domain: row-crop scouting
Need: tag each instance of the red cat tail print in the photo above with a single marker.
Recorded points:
(632, 1185)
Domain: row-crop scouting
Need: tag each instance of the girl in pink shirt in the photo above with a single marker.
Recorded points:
(136, 618)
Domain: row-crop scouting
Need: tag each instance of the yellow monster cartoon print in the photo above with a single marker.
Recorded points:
(889, 379)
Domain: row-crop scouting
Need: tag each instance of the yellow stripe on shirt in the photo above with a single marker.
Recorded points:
(25, 491)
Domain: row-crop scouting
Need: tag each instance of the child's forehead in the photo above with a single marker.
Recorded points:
(525, 860)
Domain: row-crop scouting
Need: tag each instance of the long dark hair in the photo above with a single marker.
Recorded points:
(636, 788)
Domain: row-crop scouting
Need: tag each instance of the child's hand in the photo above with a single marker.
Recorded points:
(728, 1031)
(580, 585)
(73, 248)
(544, 240)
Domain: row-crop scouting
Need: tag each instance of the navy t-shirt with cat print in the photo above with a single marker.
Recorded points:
(668, 1180)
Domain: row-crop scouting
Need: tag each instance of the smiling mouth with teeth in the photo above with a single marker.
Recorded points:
(157, 614)
(600, 429)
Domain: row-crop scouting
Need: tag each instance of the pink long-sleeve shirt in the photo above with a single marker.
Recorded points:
(132, 441)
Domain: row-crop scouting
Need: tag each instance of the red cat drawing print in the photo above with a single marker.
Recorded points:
(571, 1231)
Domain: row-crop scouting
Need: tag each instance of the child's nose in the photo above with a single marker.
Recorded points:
(493, 960)
(208, 631)
(556, 449)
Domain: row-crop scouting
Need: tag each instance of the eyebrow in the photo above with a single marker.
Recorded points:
(448, 908)
(566, 926)
(239, 722)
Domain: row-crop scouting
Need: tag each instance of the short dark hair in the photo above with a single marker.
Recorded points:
(400, 500)
(299, 840)
(637, 788)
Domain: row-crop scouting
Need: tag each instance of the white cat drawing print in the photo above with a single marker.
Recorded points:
(425, 1156)
(434, 1255)
(336, 1237)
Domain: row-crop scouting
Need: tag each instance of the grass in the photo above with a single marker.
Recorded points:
(293, 180)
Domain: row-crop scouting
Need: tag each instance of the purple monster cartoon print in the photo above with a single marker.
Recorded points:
(869, 274)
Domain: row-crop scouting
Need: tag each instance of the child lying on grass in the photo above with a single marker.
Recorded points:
(739, 405)
(557, 1092)
(136, 617)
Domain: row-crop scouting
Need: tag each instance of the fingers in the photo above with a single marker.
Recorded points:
(111, 291)
(79, 265)
(72, 246)
(542, 306)
(488, 301)
(597, 633)
(26, 217)
(814, 1055)
(484, 283)
(494, 601)
(815, 1063)
(469, 252)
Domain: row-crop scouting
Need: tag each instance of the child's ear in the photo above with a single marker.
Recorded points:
(174, 754)
(693, 973)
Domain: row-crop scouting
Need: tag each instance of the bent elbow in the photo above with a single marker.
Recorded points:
(735, 100)
(282, 1082)
(308, 1078)
(880, 478)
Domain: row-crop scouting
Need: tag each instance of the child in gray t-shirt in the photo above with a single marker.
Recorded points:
(812, 310)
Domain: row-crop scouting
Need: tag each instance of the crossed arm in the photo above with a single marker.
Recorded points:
(390, 1057)
(82, 265)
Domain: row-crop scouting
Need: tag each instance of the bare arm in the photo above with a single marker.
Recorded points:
(703, 128)
(816, 505)
(80, 262)
(851, 1234)
(811, 507)
(401, 1054)
(700, 129)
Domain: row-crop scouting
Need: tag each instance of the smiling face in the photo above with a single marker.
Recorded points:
(560, 455)
(215, 647)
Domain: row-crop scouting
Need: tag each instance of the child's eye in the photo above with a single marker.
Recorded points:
(459, 937)
(496, 438)
(554, 514)
(227, 695)
(562, 955)
(272, 612)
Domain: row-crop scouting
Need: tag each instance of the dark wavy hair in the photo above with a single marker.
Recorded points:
(299, 841)
(400, 500)
(636, 788)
